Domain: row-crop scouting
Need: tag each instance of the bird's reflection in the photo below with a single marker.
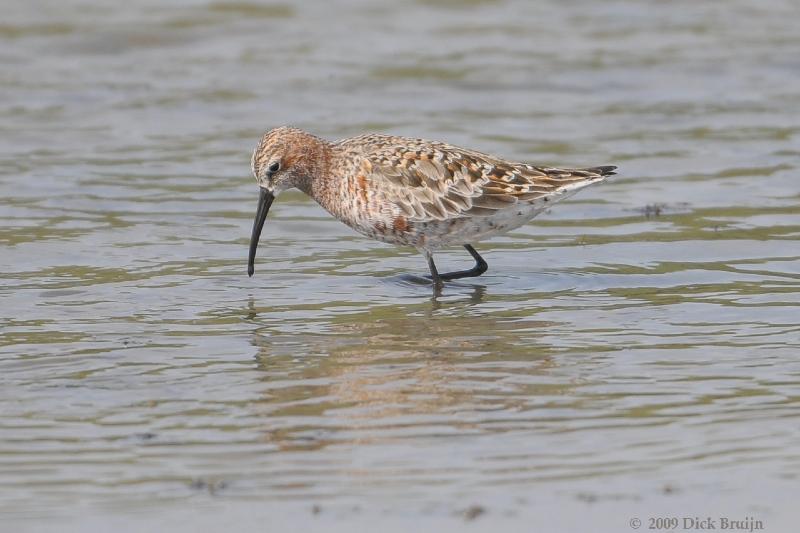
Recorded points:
(393, 365)
(252, 311)
(477, 292)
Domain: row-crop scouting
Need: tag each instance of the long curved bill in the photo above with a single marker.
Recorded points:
(264, 202)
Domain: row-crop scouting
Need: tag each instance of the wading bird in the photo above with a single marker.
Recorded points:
(410, 192)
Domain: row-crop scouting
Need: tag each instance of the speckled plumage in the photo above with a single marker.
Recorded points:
(414, 192)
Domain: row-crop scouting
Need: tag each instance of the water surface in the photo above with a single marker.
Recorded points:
(632, 353)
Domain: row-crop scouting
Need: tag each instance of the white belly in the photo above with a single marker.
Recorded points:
(465, 230)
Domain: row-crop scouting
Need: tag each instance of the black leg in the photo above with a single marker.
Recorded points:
(435, 277)
(480, 267)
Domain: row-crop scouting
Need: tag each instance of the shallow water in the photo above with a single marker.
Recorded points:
(632, 353)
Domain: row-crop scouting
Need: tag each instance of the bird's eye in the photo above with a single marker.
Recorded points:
(274, 167)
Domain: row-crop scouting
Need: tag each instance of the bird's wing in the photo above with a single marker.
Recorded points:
(429, 180)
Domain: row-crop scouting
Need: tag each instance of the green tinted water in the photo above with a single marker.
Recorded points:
(632, 353)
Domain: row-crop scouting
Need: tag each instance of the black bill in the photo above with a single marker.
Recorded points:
(264, 202)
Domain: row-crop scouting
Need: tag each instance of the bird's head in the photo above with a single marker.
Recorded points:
(284, 158)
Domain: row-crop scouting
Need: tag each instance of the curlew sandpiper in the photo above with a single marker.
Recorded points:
(410, 192)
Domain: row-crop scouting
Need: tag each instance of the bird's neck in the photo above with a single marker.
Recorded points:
(325, 183)
(316, 168)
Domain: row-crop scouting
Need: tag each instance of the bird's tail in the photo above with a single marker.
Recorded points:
(607, 170)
